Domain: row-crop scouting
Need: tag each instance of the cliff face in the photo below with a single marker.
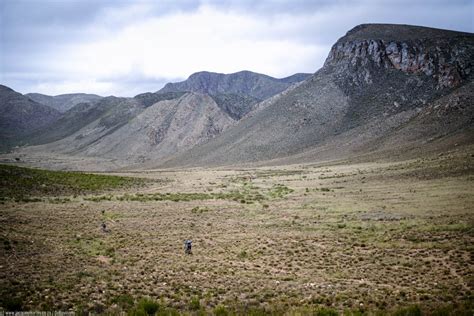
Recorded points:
(449, 60)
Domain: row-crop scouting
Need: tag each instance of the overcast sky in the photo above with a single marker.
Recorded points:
(123, 48)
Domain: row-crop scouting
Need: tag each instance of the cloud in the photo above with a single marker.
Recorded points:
(207, 39)
(127, 47)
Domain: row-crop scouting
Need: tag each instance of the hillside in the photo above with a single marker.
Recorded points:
(163, 129)
(380, 85)
(129, 131)
(107, 110)
(20, 116)
(63, 102)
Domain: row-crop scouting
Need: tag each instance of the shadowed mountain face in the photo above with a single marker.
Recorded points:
(20, 116)
(63, 102)
(109, 111)
(378, 81)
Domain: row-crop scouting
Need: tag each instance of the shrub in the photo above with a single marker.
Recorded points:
(145, 306)
(125, 301)
(408, 311)
(243, 254)
(195, 305)
(220, 310)
(325, 312)
(12, 303)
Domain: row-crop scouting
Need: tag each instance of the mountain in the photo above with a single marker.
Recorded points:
(165, 128)
(384, 91)
(107, 110)
(63, 102)
(236, 93)
(20, 116)
(131, 131)
(106, 115)
(241, 83)
(381, 88)
(146, 128)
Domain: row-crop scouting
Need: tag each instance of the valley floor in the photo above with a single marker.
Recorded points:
(366, 236)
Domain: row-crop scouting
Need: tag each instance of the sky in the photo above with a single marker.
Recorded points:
(124, 47)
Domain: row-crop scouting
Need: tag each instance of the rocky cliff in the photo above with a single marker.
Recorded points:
(448, 59)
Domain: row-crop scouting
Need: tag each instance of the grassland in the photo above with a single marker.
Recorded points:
(367, 238)
(18, 182)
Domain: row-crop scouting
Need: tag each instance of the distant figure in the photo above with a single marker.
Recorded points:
(104, 227)
(187, 246)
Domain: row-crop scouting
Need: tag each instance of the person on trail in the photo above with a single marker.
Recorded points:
(187, 246)
(104, 227)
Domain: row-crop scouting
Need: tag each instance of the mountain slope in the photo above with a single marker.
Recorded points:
(165, 128)
(235, 93)
(111, 113)
(63, 102)
(145, 128)
(82, 115)
(20, 116)
(376, 81)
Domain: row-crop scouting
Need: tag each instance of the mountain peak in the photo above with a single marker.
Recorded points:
(5, 89)
(243, 83)
(397, 32)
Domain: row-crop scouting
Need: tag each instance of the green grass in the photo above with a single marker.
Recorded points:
(279, 191)
(184, 196)
(145, 306)
(19, 182)
(94, 247)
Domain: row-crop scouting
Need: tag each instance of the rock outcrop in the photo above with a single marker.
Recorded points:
(447, 59)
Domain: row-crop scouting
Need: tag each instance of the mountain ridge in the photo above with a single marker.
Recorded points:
(63, 102)
(244, 82)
